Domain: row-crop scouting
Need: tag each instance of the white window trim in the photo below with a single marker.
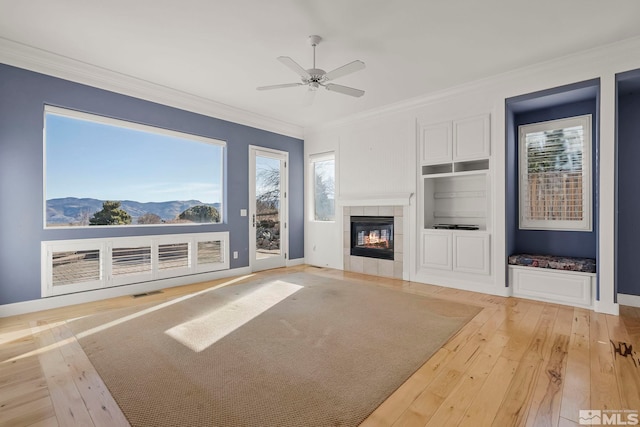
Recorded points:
(321, 157)
(105, 245)
(49, 109)
(586, 224)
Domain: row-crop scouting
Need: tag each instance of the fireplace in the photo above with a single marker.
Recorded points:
(372, 236)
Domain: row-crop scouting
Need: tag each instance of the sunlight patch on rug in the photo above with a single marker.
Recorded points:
(200, 333)
(157, 307)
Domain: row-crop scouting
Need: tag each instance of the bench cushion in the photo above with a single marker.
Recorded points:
(585, 265)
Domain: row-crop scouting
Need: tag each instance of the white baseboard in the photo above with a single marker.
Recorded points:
(631, 300)
(606, 307)
(471, 287)
(48, 303)
(294, 262)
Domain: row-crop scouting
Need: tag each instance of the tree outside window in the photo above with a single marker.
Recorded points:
(555, 174)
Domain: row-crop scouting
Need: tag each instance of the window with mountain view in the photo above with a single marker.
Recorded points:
(555, 175)
(106, 172)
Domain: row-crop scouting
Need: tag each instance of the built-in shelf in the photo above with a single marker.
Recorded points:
(477, 165)
(456, 168)
(455, 199)
(437, 169)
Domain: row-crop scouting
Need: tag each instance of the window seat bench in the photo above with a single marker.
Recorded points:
(557, 279)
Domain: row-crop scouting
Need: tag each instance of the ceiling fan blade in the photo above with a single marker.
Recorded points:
(344, 89)
(279, 86)
(309, 96)
(295, 67)
(349, 68)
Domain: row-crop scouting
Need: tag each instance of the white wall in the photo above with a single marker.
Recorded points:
(389, 136)
(372, 158)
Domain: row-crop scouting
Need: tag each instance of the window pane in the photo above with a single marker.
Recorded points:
(554, 186)
(174, 255)
(324, 190)
(210, 252)
(103, 171)
(76, 267)
(129, 261)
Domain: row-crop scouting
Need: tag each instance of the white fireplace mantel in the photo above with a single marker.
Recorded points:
(389, 199)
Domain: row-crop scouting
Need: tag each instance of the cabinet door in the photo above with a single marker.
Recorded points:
(436, 144)
(471, 253)
(436, 250)
(471, 138)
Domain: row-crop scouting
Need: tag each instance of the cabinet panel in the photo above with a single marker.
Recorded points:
(471, 253)
(436, 250)
(436, 144)
(471, 138)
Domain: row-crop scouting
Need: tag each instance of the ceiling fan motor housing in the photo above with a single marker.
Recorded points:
(314, 40)
(317, 75)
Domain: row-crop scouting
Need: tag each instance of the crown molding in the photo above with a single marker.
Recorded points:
(41, 61)
(595, 60)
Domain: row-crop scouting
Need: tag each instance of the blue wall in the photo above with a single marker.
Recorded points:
(628, 194)
(569, 243)
(23, 95)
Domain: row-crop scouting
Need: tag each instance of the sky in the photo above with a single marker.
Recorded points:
(95, 160)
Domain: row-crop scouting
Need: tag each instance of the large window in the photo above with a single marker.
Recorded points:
(104, 172)
(323, 169)
(555, 174)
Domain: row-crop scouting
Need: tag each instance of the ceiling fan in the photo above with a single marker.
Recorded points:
(316, 77)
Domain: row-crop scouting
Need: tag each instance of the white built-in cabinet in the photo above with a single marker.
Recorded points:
(437, 249)
(471, 252)
(455, 141)
(454, 180)
(456, 250)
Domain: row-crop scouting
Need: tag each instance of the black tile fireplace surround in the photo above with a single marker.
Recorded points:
(372, 236)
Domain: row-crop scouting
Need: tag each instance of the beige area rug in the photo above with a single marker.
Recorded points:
(300, 350)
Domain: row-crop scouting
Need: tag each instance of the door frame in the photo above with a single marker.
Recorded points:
(254, 264)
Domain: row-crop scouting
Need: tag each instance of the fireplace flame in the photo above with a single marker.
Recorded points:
(374, 239)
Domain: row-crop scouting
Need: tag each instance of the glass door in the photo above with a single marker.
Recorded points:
(268, 208)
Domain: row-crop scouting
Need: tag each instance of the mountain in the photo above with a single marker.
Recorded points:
(72, 210)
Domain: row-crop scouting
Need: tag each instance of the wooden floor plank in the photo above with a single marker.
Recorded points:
(428, 402)
(49, 422)
(626, 363)
(604, 388)
(25, 371)
(454, 407)
(576, 393)
(484, 407)
(522, 332)
(103, 409)
(68, 404)
(514, 409)
(545, 405)
(28, 413)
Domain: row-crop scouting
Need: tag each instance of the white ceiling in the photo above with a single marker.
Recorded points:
(222, 50)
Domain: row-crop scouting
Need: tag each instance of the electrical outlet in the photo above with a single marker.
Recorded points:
(235, 254)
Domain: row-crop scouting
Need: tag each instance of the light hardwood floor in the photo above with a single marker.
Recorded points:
(518, 362)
